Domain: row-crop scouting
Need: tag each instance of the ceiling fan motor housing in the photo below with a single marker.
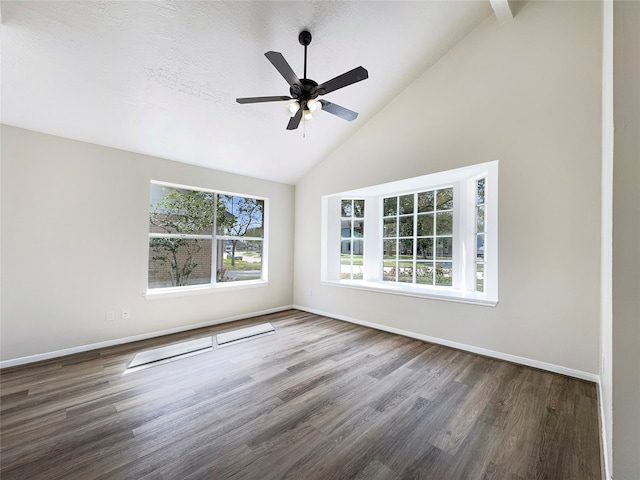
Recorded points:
(309, 90)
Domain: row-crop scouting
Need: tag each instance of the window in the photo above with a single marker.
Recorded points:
(480, 233)
(351, 239)
(417, 237)
(433, 236)
(202, 238)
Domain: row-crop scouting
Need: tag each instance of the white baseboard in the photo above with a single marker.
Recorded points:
(461, 346)
(469, 348)
(119, 341)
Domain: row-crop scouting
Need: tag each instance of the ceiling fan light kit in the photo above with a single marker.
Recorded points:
(305, 92)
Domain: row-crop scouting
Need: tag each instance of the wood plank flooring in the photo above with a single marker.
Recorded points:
(320, 399)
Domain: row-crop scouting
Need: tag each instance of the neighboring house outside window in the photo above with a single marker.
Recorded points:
(199, 237)
(432, 236)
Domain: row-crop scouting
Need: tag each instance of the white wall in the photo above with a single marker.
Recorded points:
(529, 94)
(75, 244)
(626, 246)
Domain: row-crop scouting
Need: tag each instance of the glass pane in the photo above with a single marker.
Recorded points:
(358, 228)
(175, 210)
(444, 199)
(406, 204)
(357, 272)
(406, 248)
(425, 249)
(358, 249)
(480, 248)
(345, 267)
(389, 249)
(346, 208)
(390, 206)
(176, 262)
(444, 248)
(480, 219)
(240, 216)
(243, 262)
(424, 273)
(425, 202)
(425, 225)
(390, 227)
(444, 223)
(480, 277)
(389, 272)
(406, 226)
(480, 191)
(345, 247)
(444, 275)
(405, 272)
(358, 208)
(345, 228)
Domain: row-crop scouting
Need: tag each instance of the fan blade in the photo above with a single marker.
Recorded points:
(356, 75)
(344, 113)
(262, 99)
(285, 69)
(295, 120)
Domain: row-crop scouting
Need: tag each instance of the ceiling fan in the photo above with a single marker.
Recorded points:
(305, 92)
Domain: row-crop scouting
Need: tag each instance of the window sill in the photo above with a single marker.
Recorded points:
(172, 292)
(459, 296)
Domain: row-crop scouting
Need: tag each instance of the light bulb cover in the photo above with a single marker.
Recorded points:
(308, 116)
(293, 108)
(313, 105)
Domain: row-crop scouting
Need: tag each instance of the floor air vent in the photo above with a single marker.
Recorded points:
(170, 353)
(244, 334)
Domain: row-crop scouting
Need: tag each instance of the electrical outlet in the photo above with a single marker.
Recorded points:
(126, 313)
(110, 316)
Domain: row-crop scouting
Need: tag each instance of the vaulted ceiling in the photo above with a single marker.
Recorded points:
(161, 77)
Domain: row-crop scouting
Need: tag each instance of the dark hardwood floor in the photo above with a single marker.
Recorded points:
(320, 399)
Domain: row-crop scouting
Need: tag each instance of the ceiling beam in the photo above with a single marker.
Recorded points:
(502, 10)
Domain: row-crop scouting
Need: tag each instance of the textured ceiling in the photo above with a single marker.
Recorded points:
(161, 78)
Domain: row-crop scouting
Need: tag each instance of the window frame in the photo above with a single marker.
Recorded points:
(352, 238)
(414, 216)
(216, 240)
(463, 288)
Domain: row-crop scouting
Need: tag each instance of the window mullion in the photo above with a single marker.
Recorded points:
(352, 240)
(373, 240)
(415, 238)
(214, 244)
(398, 242)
